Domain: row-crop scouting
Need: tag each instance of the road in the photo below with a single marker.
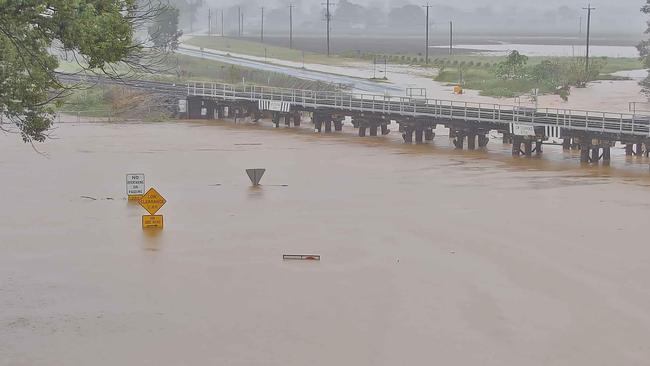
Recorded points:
(358, 84)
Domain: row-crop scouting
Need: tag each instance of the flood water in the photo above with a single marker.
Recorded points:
(429, 255)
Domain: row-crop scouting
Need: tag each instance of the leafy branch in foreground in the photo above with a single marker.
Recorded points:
(100, 35)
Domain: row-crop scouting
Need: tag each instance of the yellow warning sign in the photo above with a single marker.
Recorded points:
(152, 221)
(152, 201)
(137, 197)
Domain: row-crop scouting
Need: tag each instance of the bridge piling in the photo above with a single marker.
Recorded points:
(471, 141)
(384, 130)
(328, 125)
(419, 135)
(483, 141)
(429, 134)
(407, 134)
(373, 129)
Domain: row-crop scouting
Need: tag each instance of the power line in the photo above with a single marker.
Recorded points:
(588, 9)
(426, 57)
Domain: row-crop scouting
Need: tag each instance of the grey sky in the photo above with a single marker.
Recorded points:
(509, 16)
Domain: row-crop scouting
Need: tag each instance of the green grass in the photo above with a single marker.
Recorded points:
(479, 74)
(259, 49)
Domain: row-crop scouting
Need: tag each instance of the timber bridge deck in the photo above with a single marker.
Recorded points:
(594, 133)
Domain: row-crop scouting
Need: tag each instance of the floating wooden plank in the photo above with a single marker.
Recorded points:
(301, 257)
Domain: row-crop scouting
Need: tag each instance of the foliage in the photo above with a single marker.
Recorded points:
(644, 49)
(164, 31)
(97, 33)
(513, 67)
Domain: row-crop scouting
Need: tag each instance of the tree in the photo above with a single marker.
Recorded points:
(97, 33)
(644, 49)
(164, 31)
(513, 67)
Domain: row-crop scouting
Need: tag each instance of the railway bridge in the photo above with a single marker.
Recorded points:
(593, 133)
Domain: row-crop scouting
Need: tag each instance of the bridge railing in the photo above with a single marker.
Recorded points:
(435, 108)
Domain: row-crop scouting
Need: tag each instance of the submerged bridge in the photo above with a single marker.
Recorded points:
(593, 133)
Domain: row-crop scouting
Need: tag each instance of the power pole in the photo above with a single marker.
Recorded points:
(239, 21)
(209, 21)
(451, 38)
(262, 30)
(580, 26)
(328, 18)
(222, 34)
(242, 24)
(291, 6)
(588, 9)
(426, 57)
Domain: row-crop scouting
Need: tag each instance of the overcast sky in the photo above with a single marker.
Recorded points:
(511, 16)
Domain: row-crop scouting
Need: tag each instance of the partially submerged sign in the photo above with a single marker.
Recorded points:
(255, 175)
(518, 129)
(152, 201)
(152, 222)
(135, 186)
(301, 257)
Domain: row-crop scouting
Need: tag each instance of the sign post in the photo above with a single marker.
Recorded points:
(152, 201)
(135, 186)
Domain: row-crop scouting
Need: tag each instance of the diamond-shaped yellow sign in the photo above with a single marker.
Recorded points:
(152, 201)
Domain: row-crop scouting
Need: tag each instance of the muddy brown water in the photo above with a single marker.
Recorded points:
(429, 255)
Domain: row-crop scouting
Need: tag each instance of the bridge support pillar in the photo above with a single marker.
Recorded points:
(296, 119)
(276, 119)
(629, 149)
(407, 134)
(384, 130)
(362, 131)
(318, 125)
(528, 148)
(429, 134)
(483, 141)
(538, 147)
(584, 154)
(507, 138)
(338, 125)
(566, 144)
(639, 149)
(471, 141)
(607, 154)
(373, 130)
(328, 126)
(419, 135)
(287, 120)
(459, 140)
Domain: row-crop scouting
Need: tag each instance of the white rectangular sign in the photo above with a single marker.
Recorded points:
(135, 184)
(523, 130)
(182, 106)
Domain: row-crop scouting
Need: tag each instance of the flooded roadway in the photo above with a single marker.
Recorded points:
(429, 255)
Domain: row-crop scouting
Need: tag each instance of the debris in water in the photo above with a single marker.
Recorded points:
(301, 257)
(89, 198)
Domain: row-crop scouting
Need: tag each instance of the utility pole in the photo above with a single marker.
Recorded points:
(239, 21)
(222, 34)
(426, 57)
(262, 29)
(451, 38)
(209, 21)
(588, 9)
(242, 24)
(580, 26)
(291, 6)
(328, 18)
